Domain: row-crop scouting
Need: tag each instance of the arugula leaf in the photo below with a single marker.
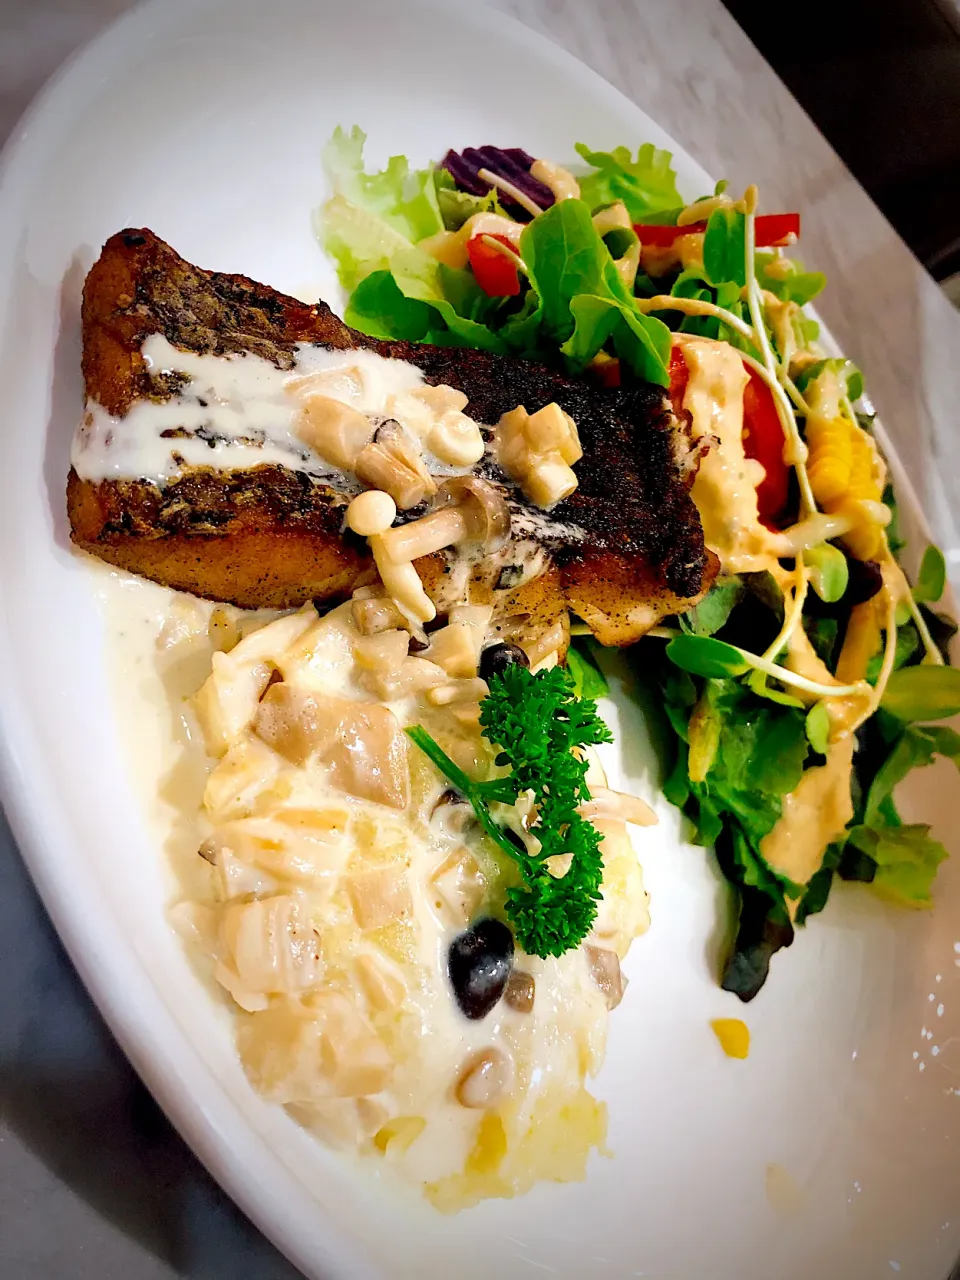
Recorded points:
(932, 577)
(704, 656)
(914, 749)
(645, 185)
(713, 611)
(819, 885)
(923, 693)
(798, 286)
(829, 571)
(588, 680)
(724, 247)
(582, 303)
(817, 727)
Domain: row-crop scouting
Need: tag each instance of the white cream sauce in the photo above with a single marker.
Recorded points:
(235, 411)
(161, 650)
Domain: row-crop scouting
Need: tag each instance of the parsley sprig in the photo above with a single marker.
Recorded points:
(538, 722)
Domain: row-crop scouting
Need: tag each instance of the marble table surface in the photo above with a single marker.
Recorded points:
(94, 1183)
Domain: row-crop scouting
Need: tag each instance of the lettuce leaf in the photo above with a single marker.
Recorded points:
(404, 198)
(582, 303)
(414, 308)
(646, 185)
(588, 680)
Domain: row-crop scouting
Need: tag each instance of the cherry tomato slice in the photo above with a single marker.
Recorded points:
(495, 273)
(763, 440)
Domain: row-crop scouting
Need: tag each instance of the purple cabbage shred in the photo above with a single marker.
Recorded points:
(511, 163)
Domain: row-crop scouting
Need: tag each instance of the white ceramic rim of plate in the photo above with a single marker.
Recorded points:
(207, 1117)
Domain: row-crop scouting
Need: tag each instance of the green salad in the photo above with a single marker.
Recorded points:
(811, 677)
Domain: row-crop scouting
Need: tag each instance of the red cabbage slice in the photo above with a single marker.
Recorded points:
(511, 163)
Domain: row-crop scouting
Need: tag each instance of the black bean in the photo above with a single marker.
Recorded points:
(497, 657)
(479, 965)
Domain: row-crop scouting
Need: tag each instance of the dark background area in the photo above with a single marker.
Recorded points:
(881, 80)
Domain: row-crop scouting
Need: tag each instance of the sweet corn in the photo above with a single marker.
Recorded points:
(845, 472)
(830, 459)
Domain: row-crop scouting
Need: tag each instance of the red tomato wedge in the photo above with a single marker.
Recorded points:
(763, 440)
(495, 273)
(762, 436)
(772, 229)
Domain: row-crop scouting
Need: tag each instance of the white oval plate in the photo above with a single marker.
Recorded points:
(835, 1149)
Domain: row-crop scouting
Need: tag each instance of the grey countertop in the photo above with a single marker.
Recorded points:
(94, 1183)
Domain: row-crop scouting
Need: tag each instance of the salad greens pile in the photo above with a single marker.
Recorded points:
(737, 754)
(745, 728)
(575, 303)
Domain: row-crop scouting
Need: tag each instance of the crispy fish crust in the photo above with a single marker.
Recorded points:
(271, 537)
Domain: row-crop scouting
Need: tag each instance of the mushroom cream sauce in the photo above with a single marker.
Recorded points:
(322, 868)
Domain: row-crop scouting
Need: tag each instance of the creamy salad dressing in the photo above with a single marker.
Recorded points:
(725, 489)
(724, 492)
(348, 1019)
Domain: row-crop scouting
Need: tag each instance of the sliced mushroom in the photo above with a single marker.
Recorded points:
(469, 510)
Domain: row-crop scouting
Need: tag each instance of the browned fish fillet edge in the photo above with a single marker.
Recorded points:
(269, 537)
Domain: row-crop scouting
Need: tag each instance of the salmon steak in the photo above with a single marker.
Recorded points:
(228, 427)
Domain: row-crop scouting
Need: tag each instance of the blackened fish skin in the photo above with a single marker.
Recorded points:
(268, 537)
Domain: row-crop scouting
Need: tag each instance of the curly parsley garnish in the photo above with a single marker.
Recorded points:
(538, 722)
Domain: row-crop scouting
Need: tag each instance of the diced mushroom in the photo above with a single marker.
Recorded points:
(485, 1078)
(538, 450)
(465, 690)
(333, 429)
(459, 885)
(605, 971)
(233, 787)
(469, 510)
(441, 398)
(383, 653)
(549, 641)
(293, 723)
(520, 991)
(362, 743)
(392, 462)
(456, 647)
(413, 676)
(381, 981)
(369, 757)
(379, 896)
(373, 616)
